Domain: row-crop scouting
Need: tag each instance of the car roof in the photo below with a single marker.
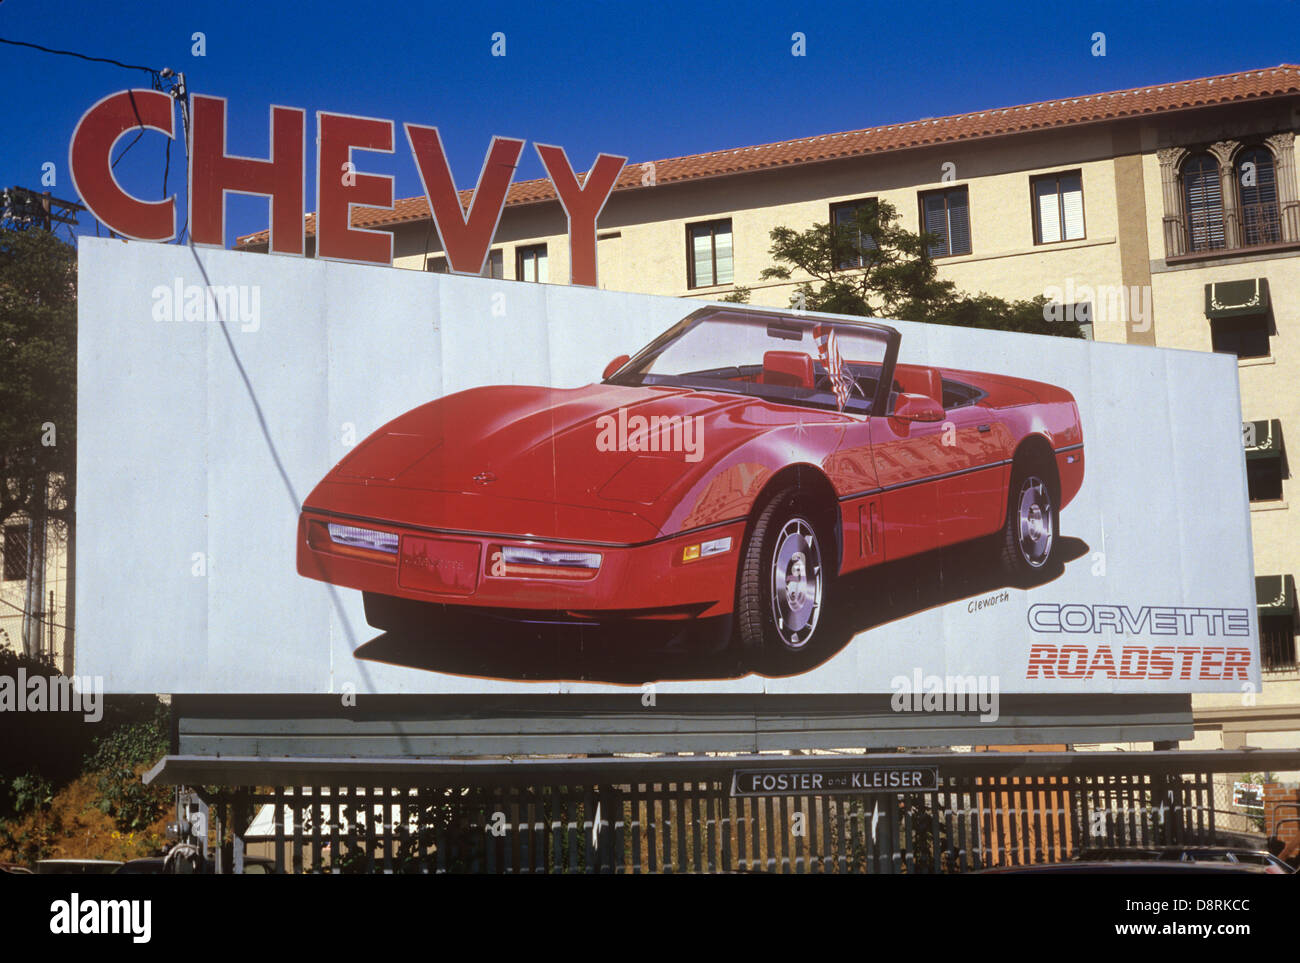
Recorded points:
(1142, 866)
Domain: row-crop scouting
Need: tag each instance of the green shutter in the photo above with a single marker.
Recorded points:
(1275, 594)
(1234, 299)
(1262, 439)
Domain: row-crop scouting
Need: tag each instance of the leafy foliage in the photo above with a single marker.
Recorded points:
(119, 757)
(30, 792)
(38, 380)
(34, 840)
(40, 752)
(874, 267)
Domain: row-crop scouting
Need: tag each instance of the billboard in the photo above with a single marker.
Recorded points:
(302, 476)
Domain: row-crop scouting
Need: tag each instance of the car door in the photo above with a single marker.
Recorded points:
(973, 490)
(908, 456)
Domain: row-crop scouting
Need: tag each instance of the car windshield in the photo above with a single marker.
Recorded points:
(798, 361)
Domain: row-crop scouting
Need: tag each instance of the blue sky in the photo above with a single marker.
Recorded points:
(645, 79)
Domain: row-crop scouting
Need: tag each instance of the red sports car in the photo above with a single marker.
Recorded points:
(730, 469)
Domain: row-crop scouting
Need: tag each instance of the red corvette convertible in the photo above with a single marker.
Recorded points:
(731, 469)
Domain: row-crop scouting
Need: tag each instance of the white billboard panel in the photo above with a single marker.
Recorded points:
(417, 483)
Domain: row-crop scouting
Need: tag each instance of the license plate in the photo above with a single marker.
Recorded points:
(438, 565)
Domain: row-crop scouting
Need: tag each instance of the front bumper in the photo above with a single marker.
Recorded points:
(649, 580)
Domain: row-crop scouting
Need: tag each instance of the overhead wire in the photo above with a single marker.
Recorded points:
(156, 79)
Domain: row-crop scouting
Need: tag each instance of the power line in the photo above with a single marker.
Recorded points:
(81, 56)
(156, 76)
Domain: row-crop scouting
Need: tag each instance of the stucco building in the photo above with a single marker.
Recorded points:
(1165, 215)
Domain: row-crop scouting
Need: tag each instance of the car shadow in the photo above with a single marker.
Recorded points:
(466, 644)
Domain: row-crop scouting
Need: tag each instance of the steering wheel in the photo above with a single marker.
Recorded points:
(824, 384)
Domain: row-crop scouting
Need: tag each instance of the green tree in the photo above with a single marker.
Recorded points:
(874, 267)
(38, 380)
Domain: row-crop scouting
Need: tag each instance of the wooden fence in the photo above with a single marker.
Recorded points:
(697, 826)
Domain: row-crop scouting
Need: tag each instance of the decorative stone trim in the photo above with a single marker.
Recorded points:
(1171, 159)
(1288, 199)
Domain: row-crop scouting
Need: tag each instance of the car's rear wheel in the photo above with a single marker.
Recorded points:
(782, 582)
(1032, 530)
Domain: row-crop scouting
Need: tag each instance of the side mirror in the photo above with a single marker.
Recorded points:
(917, 408)
(614, 365)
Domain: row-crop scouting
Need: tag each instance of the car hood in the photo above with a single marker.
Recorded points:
(473, 460)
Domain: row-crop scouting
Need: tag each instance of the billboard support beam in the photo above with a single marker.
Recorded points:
(300, 771)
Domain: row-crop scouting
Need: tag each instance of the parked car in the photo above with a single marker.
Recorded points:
(1142, 867)
(253, 866)
(79, 867)
(1191, 854)
(726, 472)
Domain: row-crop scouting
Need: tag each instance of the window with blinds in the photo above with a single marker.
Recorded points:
(1203, 195)
(708, 254)
(946, 216)
(845, 217)
(530, 263)
(1257, 193)
(1058, 207)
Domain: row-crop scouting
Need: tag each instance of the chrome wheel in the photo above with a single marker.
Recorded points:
(796, 583)
(1036, 526)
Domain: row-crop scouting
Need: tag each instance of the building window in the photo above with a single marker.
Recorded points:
(845, 216)
(1257, 191)
(1264, 479)
(494, 268)
(1277, 649)
(946, 216)
(15, 553)
(530, 263)
(1058, 207)
(1266, 464)
(1203, 197)
(708, 254)
(1246, 337)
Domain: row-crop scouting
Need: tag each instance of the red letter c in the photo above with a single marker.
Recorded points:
(99, 129)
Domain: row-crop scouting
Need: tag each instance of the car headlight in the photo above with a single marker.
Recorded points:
(366, 538)
(524, 555)
(527, 561)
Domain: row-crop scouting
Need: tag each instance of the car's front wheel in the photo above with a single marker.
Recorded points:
(782, 581)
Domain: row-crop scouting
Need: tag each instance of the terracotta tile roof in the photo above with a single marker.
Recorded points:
(1070, 111)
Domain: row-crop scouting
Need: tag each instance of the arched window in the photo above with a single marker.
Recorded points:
(1257, 189)
(1203, 196)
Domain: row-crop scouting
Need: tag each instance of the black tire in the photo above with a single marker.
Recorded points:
(1032, 532)
(776, 620)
